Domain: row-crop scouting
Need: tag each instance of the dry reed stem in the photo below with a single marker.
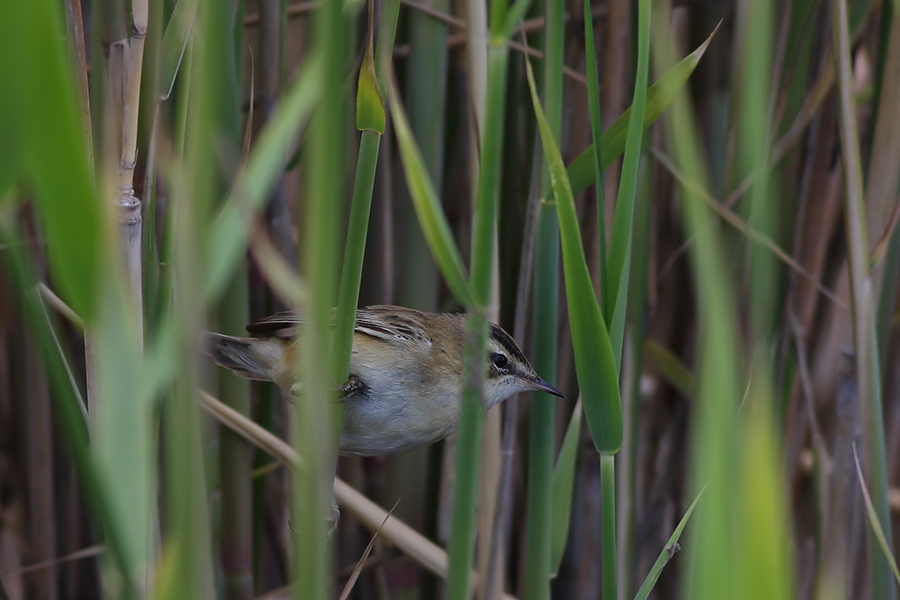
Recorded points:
(59, 306)
(89, 552)
(394, 531)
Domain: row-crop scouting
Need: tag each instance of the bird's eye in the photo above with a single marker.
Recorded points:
(499, 360)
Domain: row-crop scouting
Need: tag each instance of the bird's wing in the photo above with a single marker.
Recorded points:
(385, 323)
(390, 324)
(277, 324)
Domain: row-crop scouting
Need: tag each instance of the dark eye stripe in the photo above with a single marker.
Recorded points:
(505, 341)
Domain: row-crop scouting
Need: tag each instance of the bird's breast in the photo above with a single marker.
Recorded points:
(398, 411)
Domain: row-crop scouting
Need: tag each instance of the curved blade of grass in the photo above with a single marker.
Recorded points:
(228, 233)
(174, 43)
(563, 483)
(667, 553)
(594, 361)
(659, 96)
(428, 207)
(619, 260)
(872, 514)
(42, 143)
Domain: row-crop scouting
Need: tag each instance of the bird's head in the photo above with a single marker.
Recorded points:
(509, 372)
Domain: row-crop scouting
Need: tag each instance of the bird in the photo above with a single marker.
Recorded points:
(405, 383)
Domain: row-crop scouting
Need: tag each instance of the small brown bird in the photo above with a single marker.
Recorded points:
(405, 373)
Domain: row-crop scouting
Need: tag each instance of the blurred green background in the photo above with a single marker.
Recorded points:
(720, 310)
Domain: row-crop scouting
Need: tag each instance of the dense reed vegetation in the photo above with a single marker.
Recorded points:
(685, 211)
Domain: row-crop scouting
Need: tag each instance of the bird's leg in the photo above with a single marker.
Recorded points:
(335, 517)
(354, 386)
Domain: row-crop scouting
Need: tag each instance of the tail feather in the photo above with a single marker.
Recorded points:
(251, 358)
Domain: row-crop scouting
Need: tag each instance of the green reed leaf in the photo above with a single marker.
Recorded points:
(43, 146)
(667, 553)
(659, 96)
(563, 484)
(594, 362)
(174, 43)
(619, 259)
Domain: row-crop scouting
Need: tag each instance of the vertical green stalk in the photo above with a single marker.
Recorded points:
(546, 290)
(360, 208)
(317, 423)
(596, 139)
(236, 454)
(609, 579)
(187, 547)
(166, 283)
(637, 328)
(623, 222)
(711, 564)
(417, 281)
(753, 127)
(462, 536)
(619, 272)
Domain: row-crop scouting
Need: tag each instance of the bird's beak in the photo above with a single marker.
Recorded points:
(539, 385)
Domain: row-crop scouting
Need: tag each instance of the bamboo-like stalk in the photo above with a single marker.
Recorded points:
(536, 581)
(126, 74)
(132, 77)
(129, 204)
